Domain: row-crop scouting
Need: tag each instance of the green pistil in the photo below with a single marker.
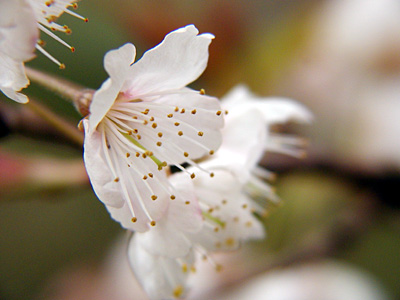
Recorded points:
(158, 162)
(213, 219)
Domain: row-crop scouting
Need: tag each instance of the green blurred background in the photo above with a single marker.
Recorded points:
(343, 196)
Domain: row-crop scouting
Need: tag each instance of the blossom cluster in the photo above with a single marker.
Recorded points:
(175, 166)
(143, 121)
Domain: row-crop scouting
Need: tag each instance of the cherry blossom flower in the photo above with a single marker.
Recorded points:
(18, 36)
(227, 200)
(143, 119)
(20, 21)
(161, 277)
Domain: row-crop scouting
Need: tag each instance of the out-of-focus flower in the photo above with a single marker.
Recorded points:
(143, 118)
(20, 21)
(160, 276)
(349, 76)
(329, 280)
(18, 36)
(225, 199)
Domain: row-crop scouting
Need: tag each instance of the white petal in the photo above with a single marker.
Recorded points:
(18, 36)
(168, 238)
(180, 59)
(101, 178)
(119, 182)
(161, 277)
(116, 63)
(244, 137)
(275, 110)
(18, 30)
(228, 213)
(12, 78)
(174, 134)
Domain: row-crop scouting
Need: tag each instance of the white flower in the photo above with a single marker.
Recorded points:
(18, 36)
(20, 21)
(162, 257)
(247, 134)
(161, 277)
(143, 118)
(227, 200)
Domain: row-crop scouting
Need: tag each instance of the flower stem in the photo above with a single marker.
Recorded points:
(68, 130)
(77, 94)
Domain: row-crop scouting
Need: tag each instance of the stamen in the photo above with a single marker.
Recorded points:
(52, 35)
(74, 14)
(178, 291)
(48, 55)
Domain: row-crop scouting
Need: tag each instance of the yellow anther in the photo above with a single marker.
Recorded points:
(185, 154)
(202, 92)
(134, 219)
(178, 291)
(184, 268)
(128, 154)
(200, 133)
(159, 144)
(154, 125)
(153, 223)
(192, 175)
(180, 133)
(219, 113)
(230, 242)
(116, 179)
(193, 111)
(154, 197)
(160, 134)
(173, 197)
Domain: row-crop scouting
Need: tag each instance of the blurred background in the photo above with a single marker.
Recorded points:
(336, 234)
